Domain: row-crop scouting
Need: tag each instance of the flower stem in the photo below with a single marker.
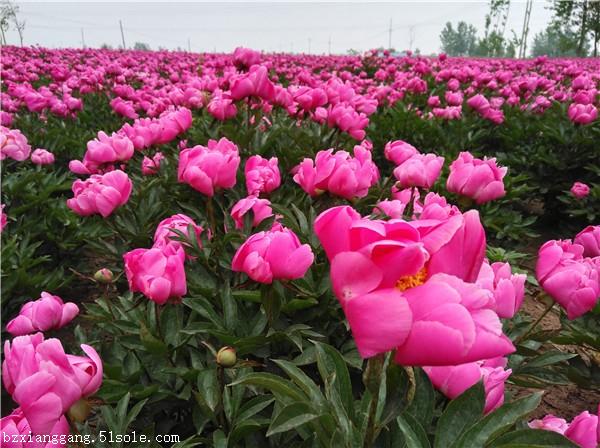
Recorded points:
(535, 323)
(372, 381)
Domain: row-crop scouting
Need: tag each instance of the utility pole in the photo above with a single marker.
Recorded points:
(525, 31)
(122, 34)
(329, 45)
(82, 38)
(390, 36)
(309, 45)
(411, 37)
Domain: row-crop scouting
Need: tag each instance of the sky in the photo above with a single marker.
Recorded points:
(276, 26)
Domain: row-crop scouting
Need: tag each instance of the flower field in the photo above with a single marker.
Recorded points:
(249, 249)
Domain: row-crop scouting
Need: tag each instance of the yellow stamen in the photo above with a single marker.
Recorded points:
(410, 281)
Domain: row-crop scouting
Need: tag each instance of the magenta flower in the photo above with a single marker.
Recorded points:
(571, 279)
(399, 151)
(47, 313)
(582, 113)
(262, 175)
(100, 193)
(420, 170)
(580, 190)
(158, 273)
(15, 426)
(206, 168)
(261, 210)
(150, 166)
(480, 180)
(589, 238)
(508, 289)
(42, 157)
(276, 254)
(13, 144)
(163, 236)
(44, 381)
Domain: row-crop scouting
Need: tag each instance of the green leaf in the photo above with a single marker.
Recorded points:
(208, 388)
(253, 407)
(414, 434)
(274, 383)
(459, 415)
(532, 438)
(498, 421)
(151, 342)
(332, 366)
(219, 439)
(302, 380)
(292, 416)
(423, 402)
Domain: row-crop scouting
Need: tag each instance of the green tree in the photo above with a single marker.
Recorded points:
(141, 46)
(554, 42)
(578, 21)
(460, 41)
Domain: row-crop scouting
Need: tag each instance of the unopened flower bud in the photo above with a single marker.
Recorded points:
(226, 357)
(79, 411)
(103, 276)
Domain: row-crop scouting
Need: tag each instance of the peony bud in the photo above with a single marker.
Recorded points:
(79, 411)
(226, 357)
(103, 276)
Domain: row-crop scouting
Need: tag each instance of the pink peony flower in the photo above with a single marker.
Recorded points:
(338, 173)
(452, 381)
(158, 273)
(262, 175)
(399, 151)
(582, 113)
(589, 238)
(44, 381)
(580, 190)
(508, 289)
(42, 157)
(573, 281)
(420, 170)
(583, 430)
(261, 210)
(16, 426)
(150, 166)
(276, 254)
(206, 168)
(100, 193)
(480, 180)
(13, 144)
(401, 286)
(550, 423)
(47, 313)
(164, 234)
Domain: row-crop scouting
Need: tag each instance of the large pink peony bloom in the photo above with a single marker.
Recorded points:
(47, 313)
(508, 289)
(100, 193)
(44, 381)
(16, 425)
(480, 180)
(339, 173)
(164, 234)
(403, 286)
(13, 144)
(276, 254)
(452, 381)
(255, 83)
(42, 157)
(571, 279)
(583, 430)
(550, 423)
(582, 113)
(589, 238)
(102, 153)
(158, 273)
(399, 151)
(420, 170)
(206, 168)
(262, 175)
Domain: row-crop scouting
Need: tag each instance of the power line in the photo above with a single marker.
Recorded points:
(122, 34)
